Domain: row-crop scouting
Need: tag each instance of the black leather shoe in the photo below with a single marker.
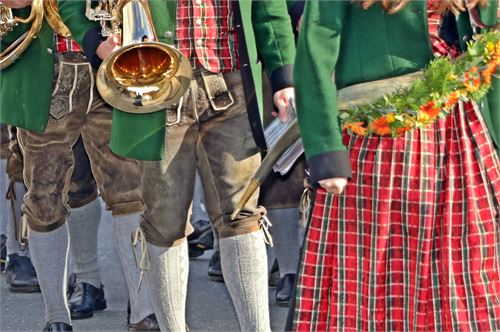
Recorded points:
(214, 267)
(57, 326)
(205, 241)
(20, 275)
(129, 311)
(71, 285)
(284, 290)
(200, 226)
(274, 274)
(3, 252)
(147, 324)
(85, 300)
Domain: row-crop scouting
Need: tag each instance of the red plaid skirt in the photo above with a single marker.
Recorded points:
(413, 242)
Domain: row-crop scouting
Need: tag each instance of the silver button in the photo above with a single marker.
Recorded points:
(198, 2)
(198, 21)
(168, 34)
(49, 50)
(199, 42)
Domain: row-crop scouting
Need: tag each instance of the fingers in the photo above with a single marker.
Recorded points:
(116, 41)
(16, 4)
(281, 104)
(335, 185)
(111, 44)
(299, 24)
(281, 100)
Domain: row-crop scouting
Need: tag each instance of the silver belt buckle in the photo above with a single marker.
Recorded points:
(220, 89)
(178, 114)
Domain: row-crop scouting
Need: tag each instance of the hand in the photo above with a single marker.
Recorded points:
(299, 24)
(281, 100)
(111, 44)
(15, 4)
(333, 185)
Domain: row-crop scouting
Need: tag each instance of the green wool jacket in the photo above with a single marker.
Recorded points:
(264, 31)
(341, 44)
(26, 85)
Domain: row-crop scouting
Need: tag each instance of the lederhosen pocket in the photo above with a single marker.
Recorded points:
(68, 79)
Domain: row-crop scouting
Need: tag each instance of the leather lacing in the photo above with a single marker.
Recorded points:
(143, 263)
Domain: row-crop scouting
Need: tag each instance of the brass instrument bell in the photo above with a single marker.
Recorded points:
(143, 76)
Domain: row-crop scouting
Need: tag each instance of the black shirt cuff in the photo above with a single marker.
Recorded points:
(282, 78)
(91, 41)
(335, 164)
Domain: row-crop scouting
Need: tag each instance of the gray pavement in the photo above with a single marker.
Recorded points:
(209, 305)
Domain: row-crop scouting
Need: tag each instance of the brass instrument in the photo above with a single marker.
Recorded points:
(39, 8)
(347, 98)
(144, 75)
(7, 24)
(54, 20)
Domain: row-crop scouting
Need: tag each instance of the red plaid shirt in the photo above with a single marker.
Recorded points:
(206, 35)
(64, 45)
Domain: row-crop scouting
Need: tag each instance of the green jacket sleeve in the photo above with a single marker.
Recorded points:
(316, 92)
(491, 104)
(84, 31)
(489, 16)
(275, 41)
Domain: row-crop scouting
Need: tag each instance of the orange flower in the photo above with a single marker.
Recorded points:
(496, 54)
(430, 109)
(488, 72)
(401, 131)
(451, 100)
(472, 81)
(381, 127)
(356, 127)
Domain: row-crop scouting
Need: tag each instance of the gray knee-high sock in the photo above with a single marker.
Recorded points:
(167, 278)
(244, 265)
(198, 208)
(123, 226)
(4, 204)
(285, 232)
(14, 221)
(216, 238)
(83, 225)
(49, 252)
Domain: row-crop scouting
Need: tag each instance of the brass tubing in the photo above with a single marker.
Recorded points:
(288, 138)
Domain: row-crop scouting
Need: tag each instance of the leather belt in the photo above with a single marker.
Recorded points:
(218, 94)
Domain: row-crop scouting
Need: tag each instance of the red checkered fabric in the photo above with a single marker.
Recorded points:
(206, 34)
(412, 244)
(64, 45)
(439, 46)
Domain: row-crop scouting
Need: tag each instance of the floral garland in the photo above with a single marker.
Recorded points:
(431, 97)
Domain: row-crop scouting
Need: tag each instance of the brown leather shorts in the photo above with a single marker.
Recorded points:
(76, 110)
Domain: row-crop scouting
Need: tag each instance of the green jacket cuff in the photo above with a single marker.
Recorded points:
(334, 164)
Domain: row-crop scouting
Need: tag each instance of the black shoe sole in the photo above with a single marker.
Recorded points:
(197, 249)
(24, 289)
(83, 315)
(283, 303)
(194, 251)
(217, 278)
